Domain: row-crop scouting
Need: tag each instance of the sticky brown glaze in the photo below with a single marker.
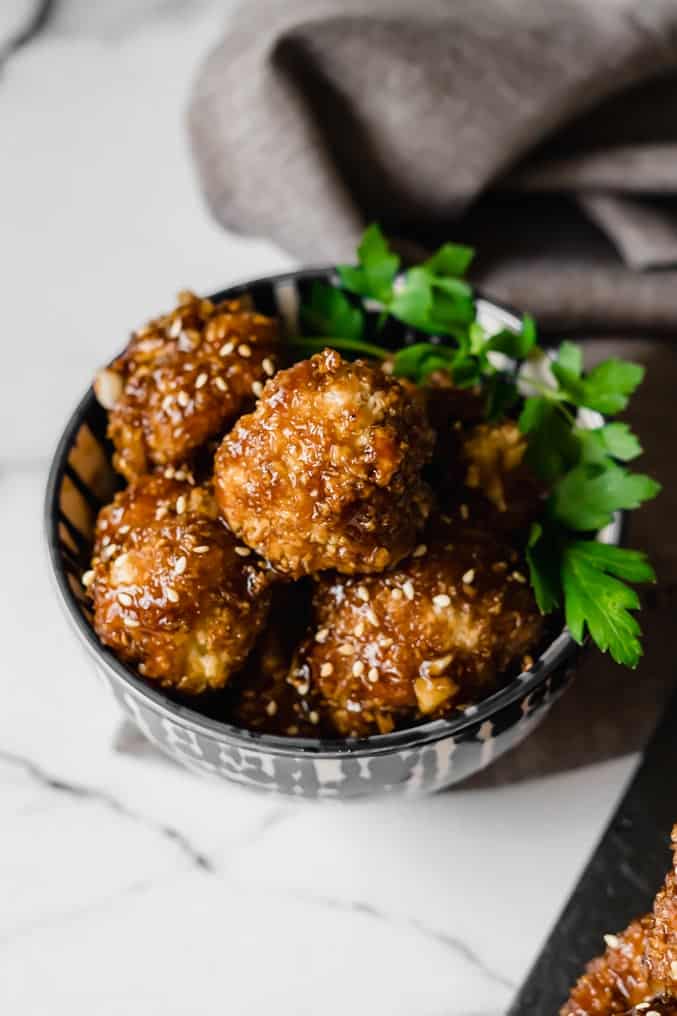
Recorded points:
(422, 639)
(326, 472)
(639, 967)
(617, 980)
(655, 1007)
(184, 378)
(266, 696)
(174, 592)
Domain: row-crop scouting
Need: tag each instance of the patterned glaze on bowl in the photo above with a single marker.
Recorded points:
(426, 757)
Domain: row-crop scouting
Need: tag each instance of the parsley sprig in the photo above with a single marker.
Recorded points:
(582, 467)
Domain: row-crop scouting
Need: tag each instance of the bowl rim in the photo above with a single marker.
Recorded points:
(556, 654)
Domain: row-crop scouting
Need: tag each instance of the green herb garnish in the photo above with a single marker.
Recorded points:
(583, 469)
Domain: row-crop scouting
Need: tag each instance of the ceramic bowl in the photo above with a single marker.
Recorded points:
(425, 757)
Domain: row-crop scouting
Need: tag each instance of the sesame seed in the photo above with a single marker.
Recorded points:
(326, 669)
(362, 593)
(673, 969)
(244, 350)
(167, 403)
(160, 512)
(468, 577)
(180, 504)
(202, 549)
(243, 551)
(172, 595)
(175, 328)
(180, 566)
(314, 716)
(465, 511)
(442, 600)
(396, 594)
(373, 675)
(321, 635)
(131, 622)
(518, 577)
(612, 941)
(420, 550)
(268, 366)
(271, 708)
(359, 629)
(183, 398)
(353, 707)
(201, 380)
(257, 388)
(345, 649)
(371, 617)
(408, 590)
(169, 473)
(358, 668)
(123, 530)
(88, 578)
(303, 688)
(220, 384)
(109, 551)
(125, 599)
(226, 349)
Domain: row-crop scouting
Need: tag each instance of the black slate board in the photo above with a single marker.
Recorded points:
(619, 882)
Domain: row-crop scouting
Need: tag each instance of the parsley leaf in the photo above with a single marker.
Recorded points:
(613, 439)
(329, 312)
(516, 345)
(570, 356)
(606, 388)
(452, 259)
(594, 596)
(378, 266)
(552, 447)
(543, 557)
(588, 495)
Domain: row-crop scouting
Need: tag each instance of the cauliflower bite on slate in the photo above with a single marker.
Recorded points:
(326, 472)
(423, 638)
(637, 974)
(183, 379)
(173, 591)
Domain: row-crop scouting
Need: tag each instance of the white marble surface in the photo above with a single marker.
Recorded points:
(127, 885)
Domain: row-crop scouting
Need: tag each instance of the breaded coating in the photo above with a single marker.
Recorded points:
(422, 639)
(638, 968)
(617, 980)
(174, 592)
(661, 946)
(326, 472)
(183, 379)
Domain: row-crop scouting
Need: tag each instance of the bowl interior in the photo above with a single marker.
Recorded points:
(82, 480)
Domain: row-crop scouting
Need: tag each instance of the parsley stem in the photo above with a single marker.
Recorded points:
(318, 343)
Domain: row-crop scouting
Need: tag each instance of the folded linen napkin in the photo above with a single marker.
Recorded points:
(544, 132)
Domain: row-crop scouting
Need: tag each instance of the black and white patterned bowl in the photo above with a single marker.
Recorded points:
(423, 758)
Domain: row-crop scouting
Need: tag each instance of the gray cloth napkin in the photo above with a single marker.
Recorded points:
(543, 132)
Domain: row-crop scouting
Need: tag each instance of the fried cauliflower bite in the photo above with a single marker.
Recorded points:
(265, 696)
(326, 472)
(174, 592)
(183, 379)
(637, 974)
(422, 639)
